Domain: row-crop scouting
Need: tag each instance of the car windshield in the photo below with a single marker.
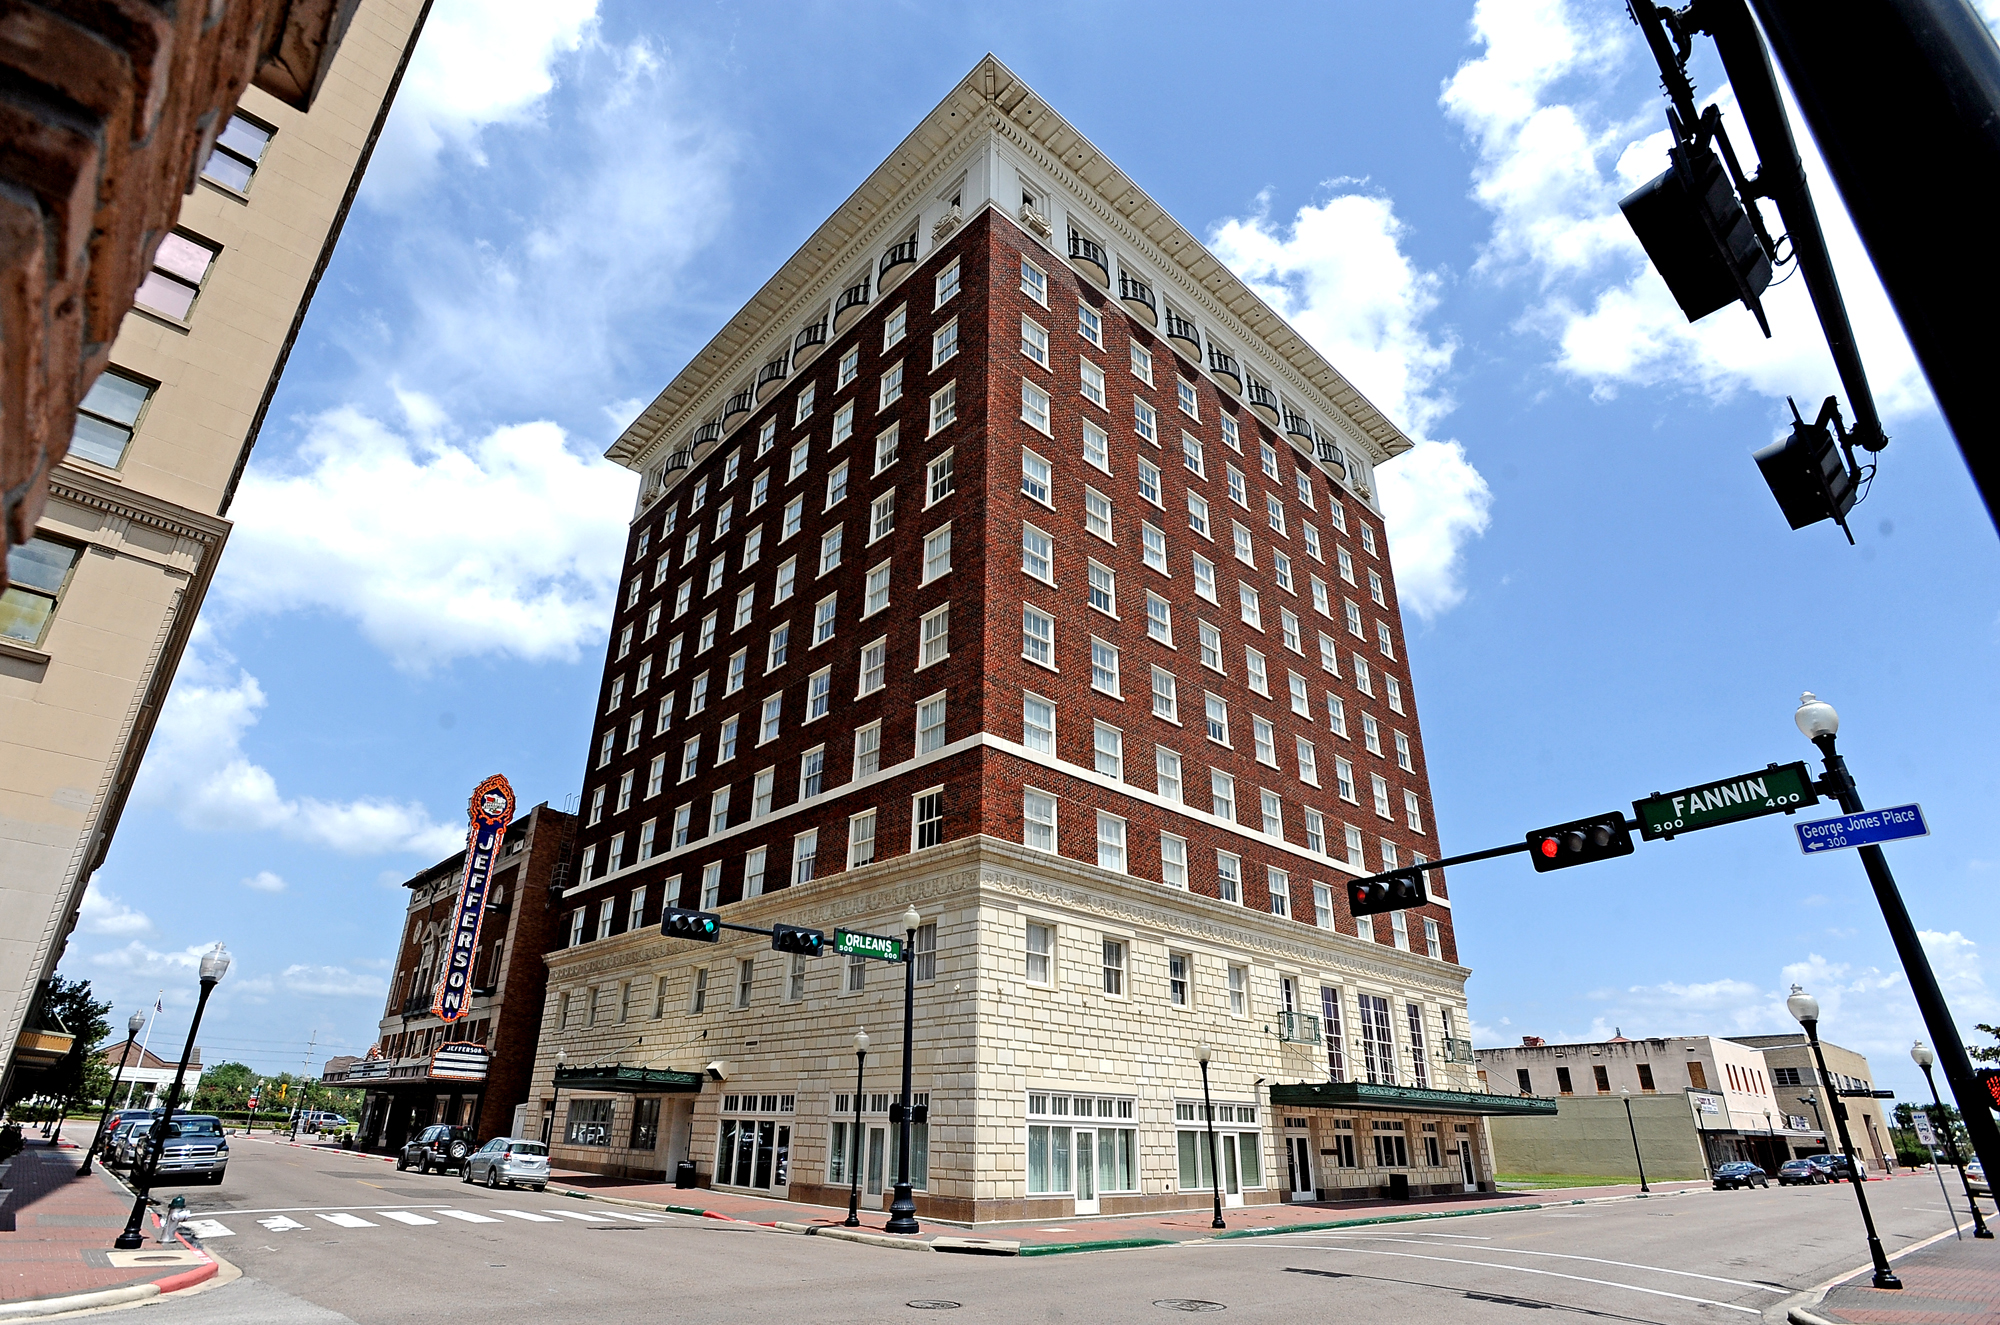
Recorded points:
(195, 1127)
(529, 1148)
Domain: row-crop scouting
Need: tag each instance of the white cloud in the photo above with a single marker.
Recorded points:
(196, 767)
(333, 982)
(1553, 161)
(479, 63)
(102, 913)
(1337, 271)
(438, 548)
(139, 959)
(264, 881)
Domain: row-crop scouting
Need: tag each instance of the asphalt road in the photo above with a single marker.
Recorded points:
(324, 1238)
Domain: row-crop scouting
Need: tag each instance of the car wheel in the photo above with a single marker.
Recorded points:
(424, 1162)
(458, 1150)
(402, 1163)
(493, 1179)
(465, 1174)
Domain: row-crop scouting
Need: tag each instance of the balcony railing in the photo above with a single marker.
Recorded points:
(899, 255)
(1457, 1051)
(1090, 255)
(809, 341)
(773, 371)
(1299, 426)
(1179, 328)
(1261, 399)
(1298, 1028)
(708, 432)
(1223, 365)
(1139, 296)
(1329, 455)
(852, 299)
(740, 403)
(680, 459)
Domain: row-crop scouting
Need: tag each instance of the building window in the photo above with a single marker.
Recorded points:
(1038, 816)
(860, 839)
(895, 326)
(824, 617)
(1104, 667)
(1420, 1065)
(38, 570)
(1216, 710)
(874, 666)
(753, 872)
(238, 149)
(947, 283)
(867, 750)
(1040, 952)
(812, 768)
(1165, 700)
(1378, 1050)
(930, 724)
(1173, 861)
(1034, 406)
(179, 267)
(106, 418)
(1413, 813)
(1089, 325)
(1222, 794)
(927, 816)
(937, 553)
(1180, 968)
(1279, 884)
(944, 343)
(891, 389)
(857, 975)
(944, 407)
(885, 448)
(1034, 282)
(1114, 968)
(1229, 881)
(1038, 724)
(805, 848)
(1097, 514)
(938, 479)
(1038, 636)
(1037, 553)
(1167, 772)
(925, 952)
(936, 637)
(1110, 842)
(746, 976)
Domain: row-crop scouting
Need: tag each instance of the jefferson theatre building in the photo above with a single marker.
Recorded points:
(1007, 558)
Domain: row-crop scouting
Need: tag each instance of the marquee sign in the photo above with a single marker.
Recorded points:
(492, 809)
(461, 1060)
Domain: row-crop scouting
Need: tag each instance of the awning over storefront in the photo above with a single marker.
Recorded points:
(627, 1080)
(1407, 1099)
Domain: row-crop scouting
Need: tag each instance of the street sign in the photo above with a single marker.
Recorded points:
(1779, 789)
(1862, 828)
(1925, 1136)
(848, 943)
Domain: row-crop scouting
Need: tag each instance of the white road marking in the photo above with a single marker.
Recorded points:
(405, 1217)
(1521, 1269)
(578, 1214)
(467, 1216)
(349, 1221)
(280, 1224)
(208, 1228)
(637, 1219)
(1595, 1260)
(528, 1215)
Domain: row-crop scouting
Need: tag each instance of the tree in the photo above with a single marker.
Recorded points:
(1941, 1118)
(1986, 1053)
(67, 1004)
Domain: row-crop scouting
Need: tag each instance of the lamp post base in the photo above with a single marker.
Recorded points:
(902, 1211)
(1887, 1279)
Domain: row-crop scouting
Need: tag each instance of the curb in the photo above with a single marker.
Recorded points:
(1106, 1244)
(35, 1308)
(1389, 1219)
(1803, 1314)
(873, 1239)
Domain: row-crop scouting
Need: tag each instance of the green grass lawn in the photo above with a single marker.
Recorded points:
(1529, 1181)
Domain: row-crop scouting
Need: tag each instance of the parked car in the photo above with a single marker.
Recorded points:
(442, 1146)
(507, 1160)
(118, 1136)
(194, 1148)
(320, 1121)
(1975, 1173)
(1739, 1173)
(1838, 1168)
(1801, 1173)
(111, 1126)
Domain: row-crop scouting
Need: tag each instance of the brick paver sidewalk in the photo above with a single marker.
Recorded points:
(1951, 1282)
(56, 1230)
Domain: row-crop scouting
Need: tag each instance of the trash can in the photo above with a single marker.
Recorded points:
(684, 1173)
(1399, 1186)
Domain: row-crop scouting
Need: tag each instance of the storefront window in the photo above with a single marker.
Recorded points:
(646, 1124)
(1238, 1147)
(755, 1151)
(589, 1123)
(1081, 1144)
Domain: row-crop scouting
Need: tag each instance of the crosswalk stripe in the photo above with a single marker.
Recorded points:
(578, 1214)
(637, 1219)
(532, 1218)
(208, 1228)
(404, 1217)
(280, 1224)
(467, 1216)
(348, 1221)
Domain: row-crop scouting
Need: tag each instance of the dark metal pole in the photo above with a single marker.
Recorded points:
(1915, 165)
(1974, 1106)
(1884, 1276)
(1214, 1161)
(131, 1033)
(854, 1196)
(148, 1162)
(1979, 1229)
(1637, 1157)
(903, 1209)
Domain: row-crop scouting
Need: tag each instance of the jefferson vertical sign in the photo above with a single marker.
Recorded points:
(492, 809)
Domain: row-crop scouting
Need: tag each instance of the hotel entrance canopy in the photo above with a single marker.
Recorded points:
(1407, 1099)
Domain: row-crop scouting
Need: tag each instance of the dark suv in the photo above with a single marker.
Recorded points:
(440, 1146)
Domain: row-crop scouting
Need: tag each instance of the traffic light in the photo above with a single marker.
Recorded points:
(1579, 842)
(1808, 472)
(701, 926)
(1387, 892)
(1698, 235)
(794, 938)
(1989, 1081)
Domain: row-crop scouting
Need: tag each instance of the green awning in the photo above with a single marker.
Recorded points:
(1406, 1099)
(627, 1080)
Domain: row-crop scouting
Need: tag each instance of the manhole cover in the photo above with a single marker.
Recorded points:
(1187, 1304)
(932, 1304)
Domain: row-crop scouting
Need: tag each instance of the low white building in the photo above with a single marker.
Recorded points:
(148, 1076)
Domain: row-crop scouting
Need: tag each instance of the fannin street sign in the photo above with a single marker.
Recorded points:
(1862, 828)
(848, 943)
(1779, 789)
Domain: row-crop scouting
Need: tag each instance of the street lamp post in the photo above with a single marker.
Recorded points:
(1626, 1091)
(853, 1219)
(1922, 1055)
(1817, 720)
(214, 965)
(1204, 1053)
(903, 1209)
(1805, 1008)
(132, 1028)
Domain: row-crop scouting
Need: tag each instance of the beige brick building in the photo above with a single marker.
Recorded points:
(103, 597)
(909, 480)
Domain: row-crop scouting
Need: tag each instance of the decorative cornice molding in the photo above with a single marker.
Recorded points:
(73, 485)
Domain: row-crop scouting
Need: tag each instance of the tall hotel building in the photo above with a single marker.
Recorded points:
(1006, 557)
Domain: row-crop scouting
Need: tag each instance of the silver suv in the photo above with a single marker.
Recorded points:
(506, 1160)
(194, 1147)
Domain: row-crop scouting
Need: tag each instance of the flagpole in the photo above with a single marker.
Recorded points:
(158, 1007)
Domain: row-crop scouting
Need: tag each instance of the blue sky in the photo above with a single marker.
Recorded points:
(570, 199)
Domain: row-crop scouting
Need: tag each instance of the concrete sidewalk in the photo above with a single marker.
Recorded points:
(56, 1231)
(1949, 1282)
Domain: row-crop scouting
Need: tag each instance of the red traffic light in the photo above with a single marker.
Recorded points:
(1549, 847)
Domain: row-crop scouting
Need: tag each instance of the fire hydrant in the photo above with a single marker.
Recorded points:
(170, 1222)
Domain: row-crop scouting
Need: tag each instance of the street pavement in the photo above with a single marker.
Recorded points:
(323, 1237)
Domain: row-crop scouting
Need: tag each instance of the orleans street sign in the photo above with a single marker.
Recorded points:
(848, 943)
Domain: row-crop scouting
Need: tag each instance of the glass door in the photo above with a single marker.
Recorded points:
(878, 1150)
(1298, 1160)
(1232, 1183)
(1086, 1172)
(1465, 1164)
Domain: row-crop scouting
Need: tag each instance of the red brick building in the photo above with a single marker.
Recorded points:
(1005, 524)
